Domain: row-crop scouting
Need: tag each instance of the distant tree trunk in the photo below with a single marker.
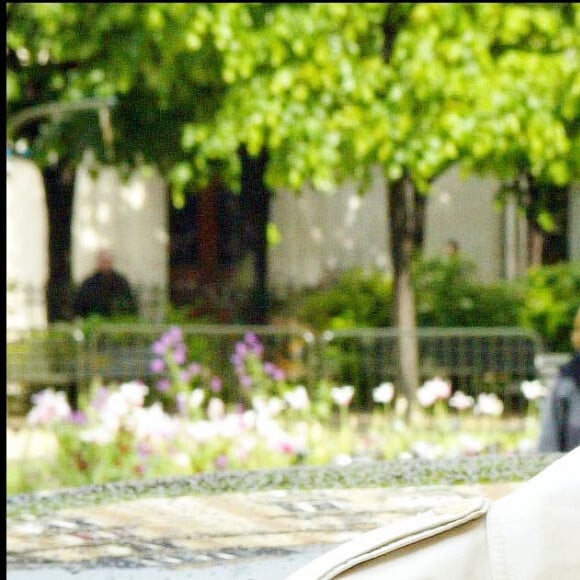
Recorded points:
(59, 186)
(536, 234)
(403, 220)
(256, 212)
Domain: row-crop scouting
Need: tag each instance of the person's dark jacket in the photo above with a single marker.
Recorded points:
(560, 430)
(105, 294)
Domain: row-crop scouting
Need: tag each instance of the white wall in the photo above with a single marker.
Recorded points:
(463, 209)
(324, 233)
(130, 218)
(26, 245)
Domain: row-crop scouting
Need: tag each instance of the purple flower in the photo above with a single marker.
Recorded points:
(163, 385)
(237, 361)
(174, 335)
(185, 376)
(241, 349)
(269, 368)
(78, 418)
(179, 354)
(181, 400)
(144, 449)
(258, 350)
(278, 374)
(216, 384)
(159, 348)
(246, 382)
(157, 366)
(194, 369)
(251, 338)
(100, 399)
(221, 462)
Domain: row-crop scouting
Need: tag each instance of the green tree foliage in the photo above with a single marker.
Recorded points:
(527, 130)
(324, 92)
(551, 300)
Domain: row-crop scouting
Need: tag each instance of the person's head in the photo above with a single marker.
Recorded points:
(105, 260)
(451, 247)
(576, 331)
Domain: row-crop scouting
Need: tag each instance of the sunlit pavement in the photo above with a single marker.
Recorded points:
(241, 536)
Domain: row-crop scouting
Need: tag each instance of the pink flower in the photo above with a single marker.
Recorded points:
(461, 401)
(49, 407)
(432, 391)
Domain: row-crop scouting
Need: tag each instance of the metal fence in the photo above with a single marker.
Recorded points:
(124, 352)
(27, 304)
(470, 357)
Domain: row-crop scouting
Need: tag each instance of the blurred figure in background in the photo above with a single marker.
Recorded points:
(560, 429)
(106, 292)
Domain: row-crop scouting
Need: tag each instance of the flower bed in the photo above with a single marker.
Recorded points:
(182, 426)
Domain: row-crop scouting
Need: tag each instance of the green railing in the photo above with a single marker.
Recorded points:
(470, 357)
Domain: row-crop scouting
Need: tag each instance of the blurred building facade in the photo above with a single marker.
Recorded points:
(197, 255)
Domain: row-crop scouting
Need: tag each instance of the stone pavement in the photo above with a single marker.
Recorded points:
(256, 535)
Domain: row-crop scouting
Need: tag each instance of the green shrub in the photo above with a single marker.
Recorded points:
(356, 299)
(551, 299)
(447, 294)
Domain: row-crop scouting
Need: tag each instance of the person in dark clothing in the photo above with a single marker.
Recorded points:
(560, 429)
(106, 292)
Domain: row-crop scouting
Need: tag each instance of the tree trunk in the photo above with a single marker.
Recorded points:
(256, 214)
(536, 235)
(59, 184)
(402, 214)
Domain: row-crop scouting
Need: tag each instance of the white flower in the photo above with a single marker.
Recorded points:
(298, 398)
(153, 422)
(196, 398)
(461, 401)
(275, 406)
(49, 407)
(384, 393)
(426, 396)
(426, 450)
(215, 409)
(527, 446)
(441, 388)
(134, 393)
(202, 431)
(488, 404)
(283, 442)
(342, 459)
(470, 445)
(248, 419)
(181, 459)
(342, 396)
(114, 407)
(244, 446)
(268, 407)
(230, 426)
(100, 435)
(533, 390)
